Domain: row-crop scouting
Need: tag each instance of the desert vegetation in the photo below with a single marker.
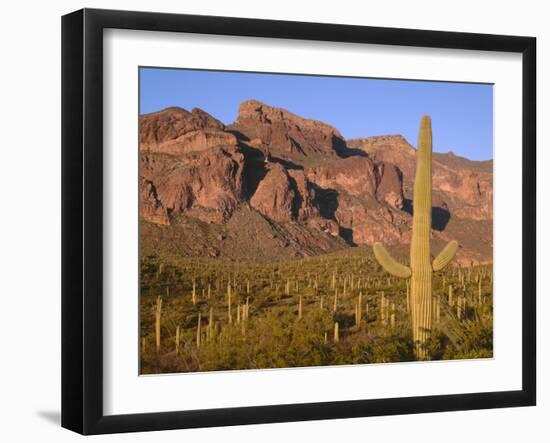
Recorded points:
(263, 245)
(204, 314)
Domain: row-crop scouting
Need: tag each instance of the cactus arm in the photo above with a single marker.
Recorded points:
(445, 256)
(389, 263)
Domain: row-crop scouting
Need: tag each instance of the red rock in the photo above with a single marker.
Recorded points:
(171, 123)
(151, 207)
(275, 195)
(206, 186)
(305, 200)
(286, 133)
(390, 187)
(355, 175)
(301, 179)
(466, 186)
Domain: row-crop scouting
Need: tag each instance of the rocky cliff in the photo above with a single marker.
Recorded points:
(274, 186)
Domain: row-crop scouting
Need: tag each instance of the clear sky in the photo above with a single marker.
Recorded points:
(462, 113)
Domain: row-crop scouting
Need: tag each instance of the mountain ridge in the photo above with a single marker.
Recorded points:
(317, 191)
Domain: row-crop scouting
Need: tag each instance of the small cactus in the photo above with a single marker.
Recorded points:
(158, 310)
(408, 296)
(210, 323)
(229, 317)
(479, 292)
(199, 332)
(177, 340)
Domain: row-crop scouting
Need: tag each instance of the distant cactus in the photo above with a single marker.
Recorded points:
(383, 307)
(199, 332)
(229, 317)
(177, 340)
(158, 311)
(421, 269)
(479, 292)
(358, 309)
(210, 323)
(437, 309)
(408, 296)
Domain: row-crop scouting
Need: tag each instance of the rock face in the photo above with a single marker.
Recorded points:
(302, 188)
(356, 175)
(463, 186)
(275, 195)
(172, 123)
(178, 132)
(152, 208)
(208, 186)
(278, 130)
(390, 187)
(285, 195)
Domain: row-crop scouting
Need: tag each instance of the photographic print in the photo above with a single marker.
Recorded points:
(301, 221)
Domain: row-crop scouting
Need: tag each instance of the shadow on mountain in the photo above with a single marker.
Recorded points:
(344, 151)
(347, 235)
(254, 169)
(440, 218)
(298, 199)
(240, 136)
(327, 200)
(440, 215)
(286, 163)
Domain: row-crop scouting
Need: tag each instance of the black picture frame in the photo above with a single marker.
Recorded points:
(82, 219)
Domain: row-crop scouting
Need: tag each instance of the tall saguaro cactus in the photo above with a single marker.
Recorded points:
(421, 266)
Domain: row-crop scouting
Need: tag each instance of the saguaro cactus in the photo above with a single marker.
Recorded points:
(421, 266)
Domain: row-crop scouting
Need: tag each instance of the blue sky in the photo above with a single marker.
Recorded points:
(462, 113)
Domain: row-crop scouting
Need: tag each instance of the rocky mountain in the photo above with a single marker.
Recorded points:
(274, 186)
